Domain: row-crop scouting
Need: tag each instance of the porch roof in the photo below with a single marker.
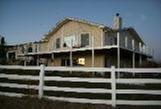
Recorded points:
(68, 50)
(83, 49)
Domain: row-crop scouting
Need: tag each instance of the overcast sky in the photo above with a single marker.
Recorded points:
(28, 20)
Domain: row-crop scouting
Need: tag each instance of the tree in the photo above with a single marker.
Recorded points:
(2, 50)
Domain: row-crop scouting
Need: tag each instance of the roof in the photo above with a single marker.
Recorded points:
(132, 30)
(64, 21)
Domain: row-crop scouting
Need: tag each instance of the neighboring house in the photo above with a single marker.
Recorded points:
(75, 42)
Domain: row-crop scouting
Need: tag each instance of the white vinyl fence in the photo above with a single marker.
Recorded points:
(113, 81)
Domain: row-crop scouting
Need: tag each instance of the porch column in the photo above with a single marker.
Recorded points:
(126, 41)
(140, 60)
(140, 47)
(133, 56)
(92, 51)
(118, 53)
(24, 62)
(140, 57)
(102, 37)
(62, 37)
(52, 56)
(7, 56)
(37, 60)
(25, 52)
(71, 55)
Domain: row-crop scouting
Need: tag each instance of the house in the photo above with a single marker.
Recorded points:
(76, 42)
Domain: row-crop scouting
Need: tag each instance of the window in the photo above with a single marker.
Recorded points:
(115, 41)
(36, 47)
(81, 61)
(30, 49)
(110, 40)
(22, 49)
(12, 55)
(69, 41)
(58, 43)
(84, 40)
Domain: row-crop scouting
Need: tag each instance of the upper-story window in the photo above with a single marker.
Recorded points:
(70, 41)
(84, 39)
(30, 49)
(58, 43)
(12, 55)
(22, 49)
(36, 47)
(110, 40)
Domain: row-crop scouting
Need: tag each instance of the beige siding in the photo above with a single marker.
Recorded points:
(130, 38)
(43, 47)
(99, 59)
(75, 28)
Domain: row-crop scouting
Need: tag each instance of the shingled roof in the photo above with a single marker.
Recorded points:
(65, 20)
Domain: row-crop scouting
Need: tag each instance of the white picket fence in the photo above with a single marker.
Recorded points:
(113, 81)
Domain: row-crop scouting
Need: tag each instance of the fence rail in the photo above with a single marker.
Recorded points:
(112, 80)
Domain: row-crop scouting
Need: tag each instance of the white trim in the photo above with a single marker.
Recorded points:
(143, 53)
(93, 60)
(13, 51)
(62, 37)
(74, 49)
(20, 67)
(138, 81)
(133, 54)
(77, 90)
(139, 70)
(83, 49)
(113, 81)
(77, 79)
(139, 102)
(71, 54)
(41, 81)
(113, 86)
(138, 91)
(14, 85)
(19, 77)
(140, 46)
(126, 41)
(118, 53)
(80, 100)
(102, 37)
(11, 94)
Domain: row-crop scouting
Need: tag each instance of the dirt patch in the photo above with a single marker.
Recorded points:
(35, 103)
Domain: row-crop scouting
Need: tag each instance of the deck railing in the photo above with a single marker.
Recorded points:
(43, 77)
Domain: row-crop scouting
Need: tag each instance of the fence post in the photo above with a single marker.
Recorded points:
(113, 86)
(41, 80)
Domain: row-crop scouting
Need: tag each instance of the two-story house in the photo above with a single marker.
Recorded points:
(75, 42)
